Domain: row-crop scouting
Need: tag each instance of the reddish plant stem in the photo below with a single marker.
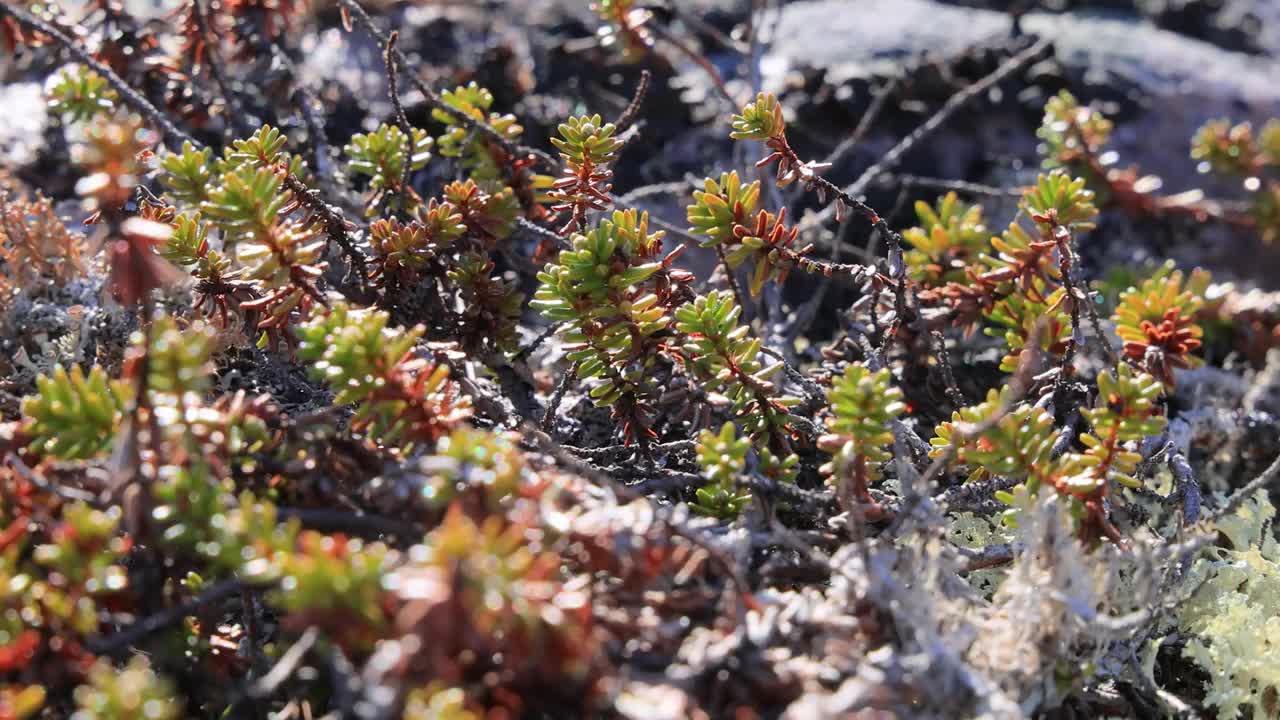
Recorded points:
(1123, 193)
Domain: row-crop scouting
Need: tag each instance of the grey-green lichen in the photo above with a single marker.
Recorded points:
(1233, 619)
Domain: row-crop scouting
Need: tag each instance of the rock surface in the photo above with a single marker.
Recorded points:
(1168, 85)
(1187, 80)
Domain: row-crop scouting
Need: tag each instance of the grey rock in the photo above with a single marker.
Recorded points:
(1187, 81)
(1181, 83)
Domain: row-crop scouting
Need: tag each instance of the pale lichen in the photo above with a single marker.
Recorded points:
(1233, 619)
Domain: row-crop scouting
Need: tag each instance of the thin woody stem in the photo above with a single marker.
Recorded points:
(402, 121)
(437, 103)
(131, 97)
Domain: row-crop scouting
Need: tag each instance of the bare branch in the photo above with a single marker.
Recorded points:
(131, 97)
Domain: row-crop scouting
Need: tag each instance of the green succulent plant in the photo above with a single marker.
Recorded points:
(950, 235)
(598, 287)
(246, 204)
(863, 403)
(188, 247)
(601, 289)
(1071, 134)
(1020, 261)
(438, 703)
(85, 550)
(587, 140)
(134, 693)
(401, 401)
(587, 146)
(189, 241)
(491, 306)
(475, 461)
(248, 538)
(1157, 322)
(1020, 320)
(286, 265)
(380, 155)
(81, 94)
(625, 23)
(265, 148)
(760, 120)
(278, 253)
(74, 415)
(338, 584)
(1126, 413)
(723, 459)
(1001, 437)
(722, 354)
(1018, 444)
(1236, 150)
(190, 503)
(221, 530)
(459, 142)
(405, 249)
(349, 345)
(490, 211)
(783, 469)
(1060, 200)
(1022, 272)
(187, 174)
(178, 365)
(721, 206)
(725, 211)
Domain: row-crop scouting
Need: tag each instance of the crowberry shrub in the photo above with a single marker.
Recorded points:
(862, 403)
(406, 414)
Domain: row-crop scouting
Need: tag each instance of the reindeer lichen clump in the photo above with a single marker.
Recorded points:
(1228, 618)
(36, 247)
